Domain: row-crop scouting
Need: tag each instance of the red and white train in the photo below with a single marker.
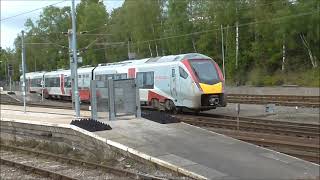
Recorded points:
(193, 81)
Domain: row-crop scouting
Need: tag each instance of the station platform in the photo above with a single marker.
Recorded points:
(207, 153)
(274, 90)
(193, 149)
(59, 116)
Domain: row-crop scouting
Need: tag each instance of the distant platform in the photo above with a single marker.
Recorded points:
(281, 113)
(277, 90)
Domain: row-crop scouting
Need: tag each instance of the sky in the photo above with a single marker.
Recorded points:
(14, 25)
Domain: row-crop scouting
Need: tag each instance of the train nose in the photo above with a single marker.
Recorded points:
(213, 100)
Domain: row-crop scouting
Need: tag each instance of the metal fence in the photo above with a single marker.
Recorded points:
(15, 86)
(114, 99)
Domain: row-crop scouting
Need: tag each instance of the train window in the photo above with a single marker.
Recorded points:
(124, 76)
(52, 82)
(173, 73)
(183, 73)
(104, 77)
(145, 80)
(120, 76)
(67, 82)
(98, 77)
(87, 75)
(35, 82)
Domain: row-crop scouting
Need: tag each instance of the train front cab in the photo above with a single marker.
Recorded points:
(209, 81)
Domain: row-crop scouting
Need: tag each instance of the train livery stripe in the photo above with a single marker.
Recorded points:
(84, 94)
(187, 64)
(219, 71)
(62, 83)
(153, 95)
(131, 72)
(193, 76)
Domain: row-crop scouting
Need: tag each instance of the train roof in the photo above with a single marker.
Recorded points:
(35, 74)
(161, 59)
(85, 70)
(113, 66)
(57, 72)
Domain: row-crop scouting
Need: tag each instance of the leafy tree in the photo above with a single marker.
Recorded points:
(277, 38)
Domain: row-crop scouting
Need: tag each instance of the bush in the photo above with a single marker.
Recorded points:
(309, 78)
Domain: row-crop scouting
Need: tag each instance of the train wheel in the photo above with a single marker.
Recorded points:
(171, 107)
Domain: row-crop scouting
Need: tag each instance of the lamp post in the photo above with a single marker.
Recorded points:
(75, 61)
(23, 55)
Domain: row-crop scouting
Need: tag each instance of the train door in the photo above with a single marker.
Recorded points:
(174, 83)
(62, 84)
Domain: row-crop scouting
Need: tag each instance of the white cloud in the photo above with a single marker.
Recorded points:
(13, 26)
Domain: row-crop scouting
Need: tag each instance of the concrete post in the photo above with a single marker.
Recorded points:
(23, 55)
(75, 61)
(71, 66)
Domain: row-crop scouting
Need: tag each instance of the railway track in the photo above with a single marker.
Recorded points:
(296, 139)
(280, 100)
(310, 131)
(59, 167)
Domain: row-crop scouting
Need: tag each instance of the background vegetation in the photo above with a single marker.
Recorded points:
(278, 39)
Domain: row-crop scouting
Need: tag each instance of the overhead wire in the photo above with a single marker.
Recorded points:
(27, 12)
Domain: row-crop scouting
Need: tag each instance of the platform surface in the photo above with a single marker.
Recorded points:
(206, 153)
(61, 116)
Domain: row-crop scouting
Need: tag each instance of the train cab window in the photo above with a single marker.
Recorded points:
(145, 80)
(183, 73)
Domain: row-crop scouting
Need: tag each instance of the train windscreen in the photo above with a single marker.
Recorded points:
(205, 71)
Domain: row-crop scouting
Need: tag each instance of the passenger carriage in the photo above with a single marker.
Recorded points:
(192, 81)
(34, 81)
(57, 84)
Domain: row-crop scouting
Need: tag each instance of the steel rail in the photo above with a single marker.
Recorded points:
(286, 100)
(107, 169)
(36, 170)
(289, 130)
(249, 119)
